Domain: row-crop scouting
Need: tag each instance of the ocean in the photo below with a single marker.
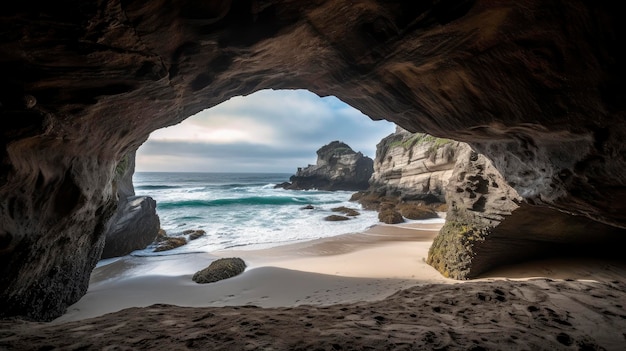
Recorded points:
(243, 210)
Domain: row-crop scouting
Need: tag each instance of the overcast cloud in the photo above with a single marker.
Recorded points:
(268, 131)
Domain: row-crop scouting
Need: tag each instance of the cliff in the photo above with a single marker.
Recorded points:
(414, 166)
(535, 87)
(338, 167)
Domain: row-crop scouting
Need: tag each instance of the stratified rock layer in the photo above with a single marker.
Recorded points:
(536, 86)
(338, 167)
(414, 166)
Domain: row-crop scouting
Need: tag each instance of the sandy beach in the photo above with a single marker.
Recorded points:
(369, 290)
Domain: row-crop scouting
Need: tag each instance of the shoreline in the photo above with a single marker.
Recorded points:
(289, 275)
(358, 267)
(354, 291)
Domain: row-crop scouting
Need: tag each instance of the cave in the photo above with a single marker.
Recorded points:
(535, 87)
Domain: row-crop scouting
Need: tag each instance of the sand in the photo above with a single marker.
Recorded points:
(369, 290)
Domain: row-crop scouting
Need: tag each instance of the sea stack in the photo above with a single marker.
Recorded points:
(338, 167)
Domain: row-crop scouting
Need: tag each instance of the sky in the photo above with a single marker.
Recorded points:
(268, 131)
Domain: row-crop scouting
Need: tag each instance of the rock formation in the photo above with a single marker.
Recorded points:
(535, 86)
(338, 167)
(135, 224)
(221, 269)
(416, 166)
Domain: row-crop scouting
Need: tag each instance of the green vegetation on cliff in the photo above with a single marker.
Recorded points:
(419, 139)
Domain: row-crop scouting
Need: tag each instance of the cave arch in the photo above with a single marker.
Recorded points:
(536, 86)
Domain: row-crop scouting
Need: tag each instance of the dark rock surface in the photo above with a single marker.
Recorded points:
(415, 211)
(338, 167)
(170, 243)
(346, 210)
(194, 234)
(134, 226)
(390, 216)
(536, 86)
(336, 218)
(135, 223)
(220, 269)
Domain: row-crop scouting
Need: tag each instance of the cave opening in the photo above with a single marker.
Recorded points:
(220, 170)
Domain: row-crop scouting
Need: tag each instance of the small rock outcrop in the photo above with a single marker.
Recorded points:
(135, 223)
(338, 167)
(221, 269)
(390, 216)
(165, 242)
(336, 218)
(346, 210)
(194, 233)
(415, 211)
(170, 243)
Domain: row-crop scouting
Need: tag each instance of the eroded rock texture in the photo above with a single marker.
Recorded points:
(536, 86)
(415, 166)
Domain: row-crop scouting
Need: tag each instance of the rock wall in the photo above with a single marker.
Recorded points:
(338, 167)
(489, 223)
(415, 166)
(535, 86)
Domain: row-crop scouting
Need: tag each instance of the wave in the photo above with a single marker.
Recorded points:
(253, 200)
(157, 187)
(243, 185)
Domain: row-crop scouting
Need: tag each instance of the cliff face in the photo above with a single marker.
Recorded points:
(414, 166)
(338, 167)
(535, 86)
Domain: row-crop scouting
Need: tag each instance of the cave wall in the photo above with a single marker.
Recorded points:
(536, 86)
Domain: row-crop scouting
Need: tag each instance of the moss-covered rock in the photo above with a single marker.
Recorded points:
(452, 250)
(221, 269)
(390, 216)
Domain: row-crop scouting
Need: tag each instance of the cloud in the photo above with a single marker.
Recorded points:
(263, 132)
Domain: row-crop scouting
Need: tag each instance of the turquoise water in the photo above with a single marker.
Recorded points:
(243, 210)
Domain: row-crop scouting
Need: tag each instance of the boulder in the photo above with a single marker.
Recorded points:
(416, 211)
(133, 227)
(338, 167)
(135, 223)
(390, 216)
(220, 269)
(336, 218)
